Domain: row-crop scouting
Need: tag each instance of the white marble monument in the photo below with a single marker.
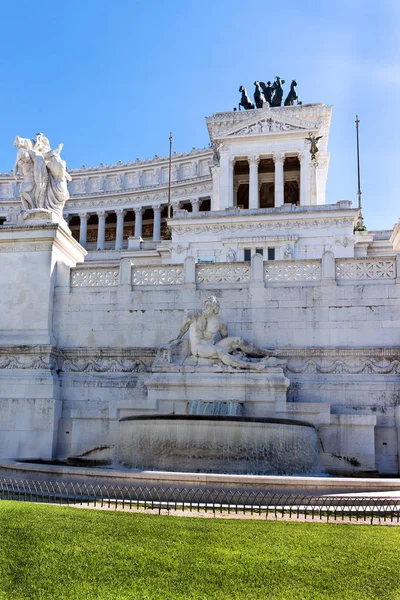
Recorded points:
(93, 285)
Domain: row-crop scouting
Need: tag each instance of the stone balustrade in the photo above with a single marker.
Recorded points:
(283, 272)
(351, 269)
(223, 273)
(89, 277)
(171, 275)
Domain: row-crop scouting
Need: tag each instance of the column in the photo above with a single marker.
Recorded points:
(279, 159)
(304, 178)
(138, 221)
(83, 229)
(119, 238)
(157, 223)
(195, 205)
(226, 181)
(253, 182)
(101, 232)
(67, 218)
(231, 167)
(236, 185)
(314, 183)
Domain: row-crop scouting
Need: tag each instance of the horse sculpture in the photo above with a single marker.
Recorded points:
(268, 90)
(292, 96)
(245, 100)
(278, 91)
(258, 95)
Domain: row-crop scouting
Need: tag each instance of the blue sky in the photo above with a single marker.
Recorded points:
(112, 79)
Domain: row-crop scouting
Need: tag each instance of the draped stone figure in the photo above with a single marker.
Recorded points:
(43, 174)
(205, 326)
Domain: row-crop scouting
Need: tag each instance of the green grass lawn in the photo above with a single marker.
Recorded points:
(55, 553)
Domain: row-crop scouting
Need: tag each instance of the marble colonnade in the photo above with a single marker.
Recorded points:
(254, 183)
(120, 214)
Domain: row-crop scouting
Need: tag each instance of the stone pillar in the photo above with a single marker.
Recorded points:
(398, 279)
(257, 270)
(314, 183)
(304, 178)
(195, 205)
(175, 207)
(328, 275)
(138, 221)
(157, 223)
(226, 181)
(231, 167)
(67, 218)
(253, 181)
(83, 229)
(215, 174)
(119, 238)
(189, 272)
(101, 232)
(279, 159)
(236, 186)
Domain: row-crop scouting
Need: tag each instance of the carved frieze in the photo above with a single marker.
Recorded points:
(365, 367)
(103, 365)
(263, 226)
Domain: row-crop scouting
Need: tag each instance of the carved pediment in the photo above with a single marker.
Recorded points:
(268, 125)
(265, 121)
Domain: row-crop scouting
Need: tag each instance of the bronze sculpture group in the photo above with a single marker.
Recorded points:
(268, 95)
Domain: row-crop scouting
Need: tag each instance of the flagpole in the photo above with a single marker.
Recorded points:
(358, 165)
(169, 176)
(359, 226)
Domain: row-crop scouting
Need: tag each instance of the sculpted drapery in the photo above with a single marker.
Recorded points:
(44, 174)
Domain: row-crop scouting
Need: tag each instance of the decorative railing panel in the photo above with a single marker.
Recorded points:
(94, 277)
(299, 270)
(372, 510)
(365, 268)
(223, 273)
(157, 275)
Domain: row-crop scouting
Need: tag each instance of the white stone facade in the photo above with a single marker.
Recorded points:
(80, 328)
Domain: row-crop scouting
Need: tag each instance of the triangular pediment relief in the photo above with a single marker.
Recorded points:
(262, 122)
(267, 125)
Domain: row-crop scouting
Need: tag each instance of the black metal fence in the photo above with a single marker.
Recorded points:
(222, 502)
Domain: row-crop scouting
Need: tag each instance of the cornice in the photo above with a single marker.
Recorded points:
(142, 196)
(121, 167)
(273, 219)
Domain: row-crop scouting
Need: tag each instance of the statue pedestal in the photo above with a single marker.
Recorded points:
(253, 394)
(29, 253)
(42, 216)
(30, 405)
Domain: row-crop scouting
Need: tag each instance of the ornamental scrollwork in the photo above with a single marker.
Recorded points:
(367, 367)
(37, 362)
(106, 365)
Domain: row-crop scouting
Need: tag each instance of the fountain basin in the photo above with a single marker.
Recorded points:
(218, 444)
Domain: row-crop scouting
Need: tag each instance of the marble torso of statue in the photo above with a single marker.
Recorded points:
(204, 327)
(43, 174)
